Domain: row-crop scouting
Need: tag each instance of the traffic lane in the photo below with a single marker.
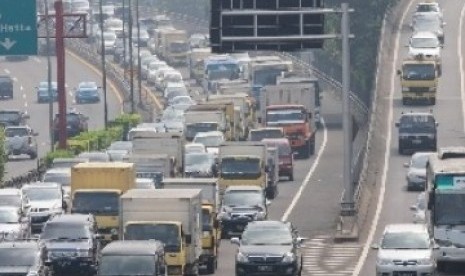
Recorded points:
(396, 199)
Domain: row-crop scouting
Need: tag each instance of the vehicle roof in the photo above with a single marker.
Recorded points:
(406, 227)
(452, 164)
(424, 34)
(282, 106)
(9, 208)
(268, 224)
(417, 114)
(193, 145)
(121, 165)
(127, 247)
(10, 191)
(10, 111)
(162, 193)
(276, 140)
(17, 127)
(42, 185)
(209, 134)
(70, 218)
(243, 188)
(59, 170)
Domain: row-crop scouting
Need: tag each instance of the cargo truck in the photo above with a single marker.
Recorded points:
(210, 204)
(203, 121)
(174, 46)
(171, 216)
(242, 163)
(219, 67)
(196, 63)
(171, 144)
(226, 108)
(96, 188)
(292, 106)
(153, 166)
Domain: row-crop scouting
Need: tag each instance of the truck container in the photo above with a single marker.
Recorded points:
(210, 205)
(96, 188)
(226, 108)
(242, 163)
(171, 216)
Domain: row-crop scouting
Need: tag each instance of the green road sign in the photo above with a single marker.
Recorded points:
(18, 27)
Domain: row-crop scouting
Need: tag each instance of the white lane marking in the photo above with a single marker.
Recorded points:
(462, 73)
(21, 88)
(25, 104)
(24, 96)
(387, 150)
(7, 71)
(309, 174)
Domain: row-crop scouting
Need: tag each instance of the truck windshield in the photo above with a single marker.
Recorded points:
(6, 116)
(127, 265)
(223, 71)
(193, 129)
(449, 209)
(417, 123)
(266, 77)
(179, 47)
(258, 135)
(98, 203)
(248, 168)
(284, 116)
(166, 233)
(419, 72)
(243, 198)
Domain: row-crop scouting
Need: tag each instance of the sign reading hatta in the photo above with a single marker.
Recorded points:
(18, 27)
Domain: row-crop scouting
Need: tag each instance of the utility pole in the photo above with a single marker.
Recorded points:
(49, 78)
(124, 39)
(139, 66)
(131, 65)
(104, 71)
(60, 52)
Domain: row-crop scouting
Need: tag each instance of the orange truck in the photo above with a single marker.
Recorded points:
(293, 104)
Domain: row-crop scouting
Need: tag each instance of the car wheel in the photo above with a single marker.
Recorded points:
(210, 266)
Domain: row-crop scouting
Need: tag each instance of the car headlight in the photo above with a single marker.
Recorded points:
(241, 258)
(427, 261)
(444, 243)
(260, 215)
(289, 257)
(383, 262)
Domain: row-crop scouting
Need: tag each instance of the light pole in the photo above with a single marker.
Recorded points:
(124, 39)
(104, 73)
(49, 77)
(139, 65)
(131, 61)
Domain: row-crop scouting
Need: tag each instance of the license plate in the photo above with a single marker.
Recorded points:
(416, 141)
(265, 268)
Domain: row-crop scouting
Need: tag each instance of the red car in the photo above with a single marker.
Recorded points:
(286, 157)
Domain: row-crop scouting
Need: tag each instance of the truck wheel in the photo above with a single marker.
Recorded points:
(211, 265)
(291, 176)
(312, 146)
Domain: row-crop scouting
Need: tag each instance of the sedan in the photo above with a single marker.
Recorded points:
(416, 174)
(181, 102)
(87, 92)
(405, 249)
(43, 94)
(429, 22)
(12, 225)
(268, 248)
(22, 258)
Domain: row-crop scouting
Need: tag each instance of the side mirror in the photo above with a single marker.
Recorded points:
(406, 165)
(235, 241)
(188, 239)
(397, 124)
(375, 246)
(399, 72)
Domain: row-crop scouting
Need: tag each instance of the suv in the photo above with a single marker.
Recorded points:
(43, 95)
(241, 205)
(22, 258)
(71, 243)
(405, 249)
(269, 248)
(6, 87)
(20, 140)
(417, 131)
(76, 123)
(12, 117)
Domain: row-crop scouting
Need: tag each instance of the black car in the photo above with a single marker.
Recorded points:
(6, 87)
(241, 205)
(21, 258)
(200, 164)
(417, 132)
(75, 123)
(12, 117)
(71, 244)
(269, 248)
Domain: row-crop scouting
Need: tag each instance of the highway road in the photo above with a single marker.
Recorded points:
(394, 201)
(27, 75)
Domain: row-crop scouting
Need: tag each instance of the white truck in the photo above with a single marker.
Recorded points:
(153, 166)
(197, 57)
(171, 144)
(174, 46)
(171, 216)
(203, 121)
(242, 163)
(210, 204)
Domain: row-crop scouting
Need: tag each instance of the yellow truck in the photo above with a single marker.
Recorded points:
(226, 108)
(174, 46)
(96, 188)
(242, 164)
(211, 236)
(419, 79)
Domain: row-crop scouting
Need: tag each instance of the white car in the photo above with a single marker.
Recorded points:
(181, 102)
(158, 82)
(12, 197)
(109, 41)
(428, 7)
(405, 249)
(154, 69)
(211, 140)
(114, 25)
(416, 174)
(170, 77)
(61, 176)
(144, 62)
(172, 87)
(194, 148)
(12, 225)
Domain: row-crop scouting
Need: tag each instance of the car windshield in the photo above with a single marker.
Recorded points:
(42, 194)
(424, 42)
(99, 203)
(417, 123)
(277, 116)
(419, 161)
(209, 141)
(114, 23)
(44, 85)
(243, 198)
(16, 131)
(9, 216)
(63, 178)
(171, 114)
(427, 8)
(427, 23)
(127, 265)
(198, 159)
(109, 36)
(9, 116)
(88, 85)
(65, 231)
(267, 236)
(10, 200)
(405, 240)
(179, 47)
(181, 100)
(17, 256)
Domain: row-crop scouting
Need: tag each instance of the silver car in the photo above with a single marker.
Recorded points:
(405, 249)
(20, 140)
(13, 226)
(416, 174)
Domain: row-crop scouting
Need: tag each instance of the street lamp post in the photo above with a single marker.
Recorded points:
(49, 77)
(104, 74)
